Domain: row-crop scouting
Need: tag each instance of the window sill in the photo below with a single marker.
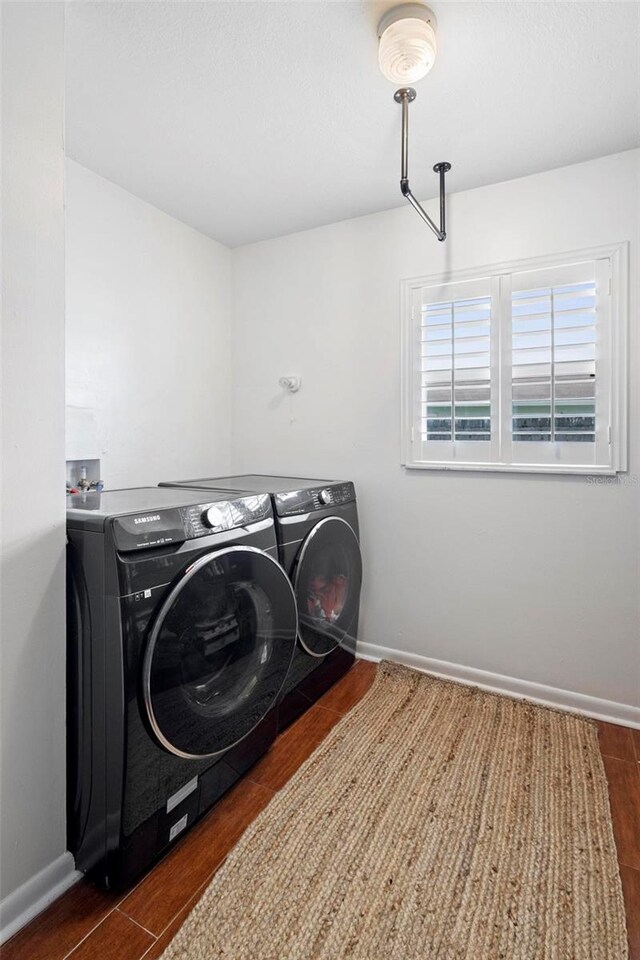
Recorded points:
(560, 468)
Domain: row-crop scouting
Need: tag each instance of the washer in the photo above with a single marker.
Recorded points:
(182, 630)
(318, 541)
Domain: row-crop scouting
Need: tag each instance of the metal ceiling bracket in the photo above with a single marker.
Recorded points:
(405, 96)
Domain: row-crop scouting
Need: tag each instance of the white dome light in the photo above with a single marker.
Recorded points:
(407, 49)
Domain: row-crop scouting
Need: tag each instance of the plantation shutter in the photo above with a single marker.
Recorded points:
(456, 360)
(559, 408)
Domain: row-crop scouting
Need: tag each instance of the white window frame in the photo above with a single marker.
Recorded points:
(617, 346)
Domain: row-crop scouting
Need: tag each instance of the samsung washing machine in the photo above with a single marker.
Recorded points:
(318, 541)
(182, 630)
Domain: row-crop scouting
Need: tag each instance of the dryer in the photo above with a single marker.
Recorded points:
(182, 629)
(318, 541)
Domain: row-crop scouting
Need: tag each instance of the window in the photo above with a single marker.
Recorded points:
(521, 367)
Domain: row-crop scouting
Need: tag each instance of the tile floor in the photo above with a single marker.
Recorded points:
(87, 923)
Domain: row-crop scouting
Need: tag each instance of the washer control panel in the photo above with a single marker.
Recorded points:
(314, 498)
(203, 519)
(174, 526)
(141, 531)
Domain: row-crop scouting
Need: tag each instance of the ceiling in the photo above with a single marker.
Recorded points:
(250, 120)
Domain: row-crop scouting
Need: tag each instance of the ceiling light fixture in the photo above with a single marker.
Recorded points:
(407, 51)
(408, 46)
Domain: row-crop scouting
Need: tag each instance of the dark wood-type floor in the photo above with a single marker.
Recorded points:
(86, 923)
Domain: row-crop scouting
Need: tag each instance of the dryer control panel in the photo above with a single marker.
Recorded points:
(314, 498)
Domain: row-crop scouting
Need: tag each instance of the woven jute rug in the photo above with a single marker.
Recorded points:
(436, 822)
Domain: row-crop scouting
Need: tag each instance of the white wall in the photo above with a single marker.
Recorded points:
(33, 504)
(148, 338)
(533, 577)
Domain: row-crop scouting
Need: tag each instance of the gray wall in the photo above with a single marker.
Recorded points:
(148, 338)
(33, 504)
(533, 577)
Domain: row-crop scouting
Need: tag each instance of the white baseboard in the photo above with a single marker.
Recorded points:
(608, 710)
(21, 906)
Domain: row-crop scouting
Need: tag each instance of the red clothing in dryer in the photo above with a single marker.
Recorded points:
(327, 596)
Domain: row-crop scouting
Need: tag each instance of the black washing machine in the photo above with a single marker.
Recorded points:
(182, 629)
(318, 540)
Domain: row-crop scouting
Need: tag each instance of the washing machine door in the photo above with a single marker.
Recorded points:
(327, 580)
(219, 651)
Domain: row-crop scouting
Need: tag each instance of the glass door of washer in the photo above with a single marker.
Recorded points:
(219, 651)
(327, 581)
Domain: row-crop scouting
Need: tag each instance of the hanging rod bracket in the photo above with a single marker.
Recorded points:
(405, 96)
(407, 92)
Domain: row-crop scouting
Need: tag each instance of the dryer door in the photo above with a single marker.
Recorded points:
(327, 580)
(219, 651)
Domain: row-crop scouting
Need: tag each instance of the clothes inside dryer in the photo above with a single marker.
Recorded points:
(327, 585)
(327, 594)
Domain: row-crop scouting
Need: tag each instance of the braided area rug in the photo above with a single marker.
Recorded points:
(435, 822)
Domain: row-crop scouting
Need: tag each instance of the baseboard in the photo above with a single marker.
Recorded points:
(25, 903)
(608, 710)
